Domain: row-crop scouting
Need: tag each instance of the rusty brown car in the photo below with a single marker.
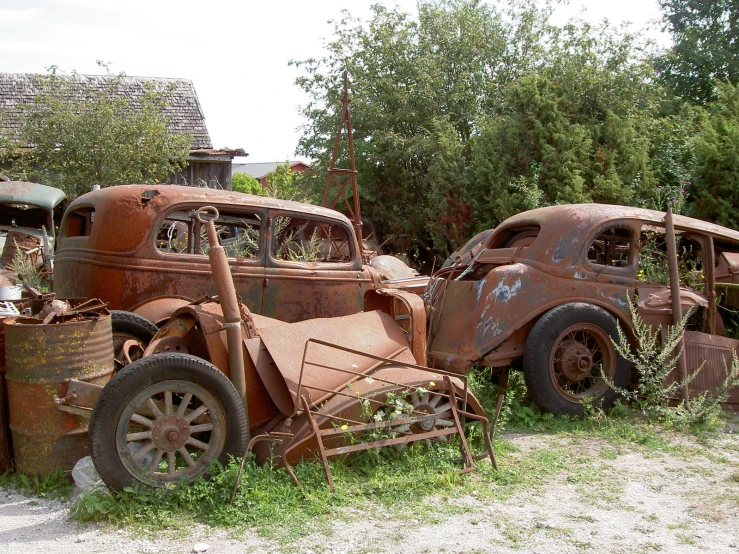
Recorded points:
(215, 373)
(141, 249)
(549, 287)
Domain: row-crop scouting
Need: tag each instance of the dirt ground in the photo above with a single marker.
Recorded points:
(622, 498)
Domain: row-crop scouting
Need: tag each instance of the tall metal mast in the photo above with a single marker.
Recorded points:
(342, 177)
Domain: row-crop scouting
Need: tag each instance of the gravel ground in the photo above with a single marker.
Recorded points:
(630, 500)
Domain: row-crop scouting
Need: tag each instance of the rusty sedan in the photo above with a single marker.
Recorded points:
(549, 288)
(141, 249)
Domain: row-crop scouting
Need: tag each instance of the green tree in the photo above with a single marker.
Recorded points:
(243, 182)
(101, 139)
(470, 112)
(705, 36)
(286, 184)
(715, 185)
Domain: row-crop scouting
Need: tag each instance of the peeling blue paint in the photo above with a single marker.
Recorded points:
(480, 285)
(503, 293)
(488, 321)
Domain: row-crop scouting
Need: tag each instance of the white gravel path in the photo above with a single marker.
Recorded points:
(638, 501)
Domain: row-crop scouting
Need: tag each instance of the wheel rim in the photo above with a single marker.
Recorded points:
(127, 348)
(581, 357)
(170, 431)
(428, 402)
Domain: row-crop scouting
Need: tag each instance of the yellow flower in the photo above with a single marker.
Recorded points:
(344, 427)
(432, 384)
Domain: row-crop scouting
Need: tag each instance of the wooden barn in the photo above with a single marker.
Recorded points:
(207, 166)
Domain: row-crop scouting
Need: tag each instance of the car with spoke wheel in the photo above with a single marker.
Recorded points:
(547, 290)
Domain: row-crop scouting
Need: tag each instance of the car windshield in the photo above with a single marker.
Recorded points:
(24, 215)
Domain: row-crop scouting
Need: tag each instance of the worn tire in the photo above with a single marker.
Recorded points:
(566, 353)
(164, 381)
(130, 326)
(133, 324)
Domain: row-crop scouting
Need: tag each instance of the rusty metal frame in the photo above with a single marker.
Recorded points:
(344, 426)
(342, 177)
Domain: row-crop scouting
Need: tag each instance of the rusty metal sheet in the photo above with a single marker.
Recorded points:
(6, 453)
(40, 358)
(374, 332)
(714, 353)
(270, 376)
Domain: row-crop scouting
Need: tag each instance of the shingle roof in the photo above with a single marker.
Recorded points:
(18, 90)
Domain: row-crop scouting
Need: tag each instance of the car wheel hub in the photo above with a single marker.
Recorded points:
(170, 433)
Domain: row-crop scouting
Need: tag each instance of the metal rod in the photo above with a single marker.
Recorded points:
(229, 304)
(677, 310)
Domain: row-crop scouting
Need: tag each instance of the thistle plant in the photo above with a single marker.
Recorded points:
(653, 361)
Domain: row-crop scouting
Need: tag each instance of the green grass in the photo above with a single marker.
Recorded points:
(419, 483)
(58, 485)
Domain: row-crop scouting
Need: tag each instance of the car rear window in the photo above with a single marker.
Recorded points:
(297, 239)
(79, 222)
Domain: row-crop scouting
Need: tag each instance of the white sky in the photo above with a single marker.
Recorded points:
(234, 51)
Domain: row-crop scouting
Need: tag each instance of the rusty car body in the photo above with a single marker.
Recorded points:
(215, 373)
(549, 287)
(30, 208)
(140, 248)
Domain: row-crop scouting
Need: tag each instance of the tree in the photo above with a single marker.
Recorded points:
(705, 34)
(286, 184)
(469, 112)
(243, 182)
(715, 185)
(282, 183)
(99, 139)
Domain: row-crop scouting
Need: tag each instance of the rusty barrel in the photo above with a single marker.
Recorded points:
(39, 359)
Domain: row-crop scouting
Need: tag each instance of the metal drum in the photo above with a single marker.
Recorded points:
(39, 360)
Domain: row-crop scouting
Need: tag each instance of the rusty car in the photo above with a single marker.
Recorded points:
(141, 249)
(218, 380)
(547, 289)
(30, 209)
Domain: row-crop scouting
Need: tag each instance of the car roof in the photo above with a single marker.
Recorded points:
(166, 195)
(22, 192)
(586, 216)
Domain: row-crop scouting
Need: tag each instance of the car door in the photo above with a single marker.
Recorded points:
(705, 293)
(313, 268)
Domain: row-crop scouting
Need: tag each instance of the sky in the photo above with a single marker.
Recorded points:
(236, 52)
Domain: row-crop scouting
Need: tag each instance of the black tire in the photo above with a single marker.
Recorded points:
(567, 352)
(125, 413)
(130, 326)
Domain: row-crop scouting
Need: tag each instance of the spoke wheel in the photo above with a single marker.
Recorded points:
(170, 431)
(569, 358)
(127, 348)
(428, 402)
(131, 335)
(582, 355)
(163, 419)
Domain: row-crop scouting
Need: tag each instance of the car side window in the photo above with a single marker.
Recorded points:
(653, 262)
(297, 239)
(239, 234)
(611, 248)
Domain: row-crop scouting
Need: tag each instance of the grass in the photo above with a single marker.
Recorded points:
(420, 485)
(58, 485)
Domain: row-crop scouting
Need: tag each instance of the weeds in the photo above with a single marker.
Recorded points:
(23, 265)
(653, 361)
(56, 485)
